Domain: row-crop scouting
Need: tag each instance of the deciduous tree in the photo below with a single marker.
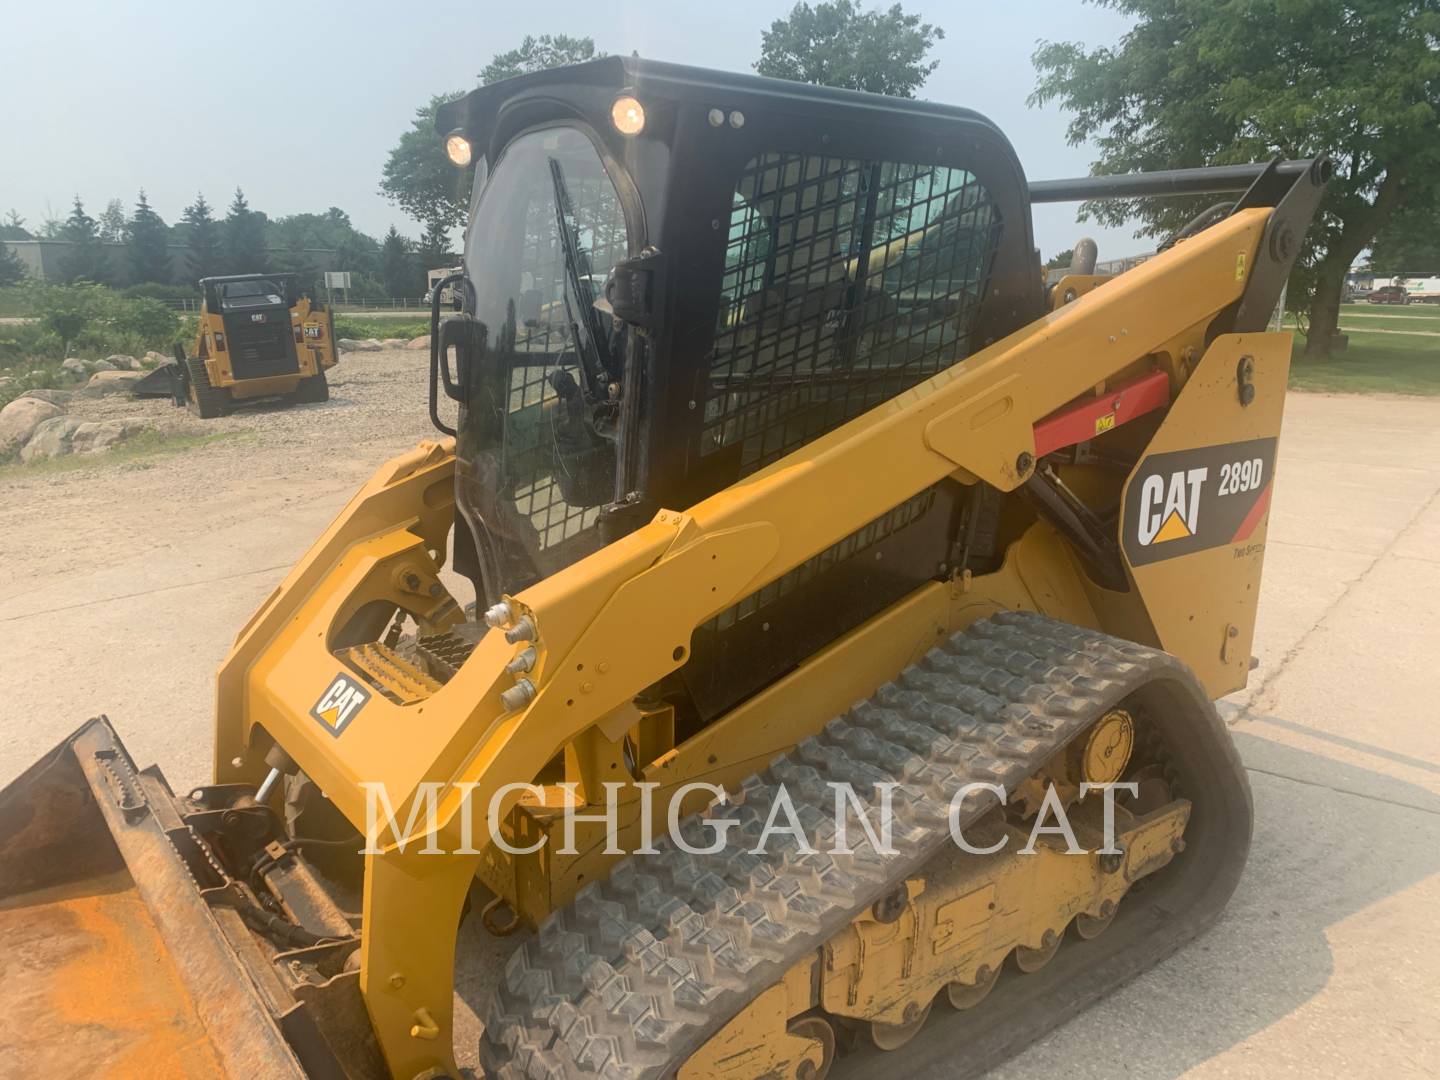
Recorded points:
(837, 44)
(538, 54)
(112, 222)
(1197, 83)
(1410, 242)
(420, 179)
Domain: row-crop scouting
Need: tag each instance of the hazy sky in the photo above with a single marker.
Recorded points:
(298, 104)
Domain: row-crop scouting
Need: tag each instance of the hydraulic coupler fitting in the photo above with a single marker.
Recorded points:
(518, 696)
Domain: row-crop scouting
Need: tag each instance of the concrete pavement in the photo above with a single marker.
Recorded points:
(1327, 962)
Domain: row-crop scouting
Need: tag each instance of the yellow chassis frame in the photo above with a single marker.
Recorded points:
(621, 619)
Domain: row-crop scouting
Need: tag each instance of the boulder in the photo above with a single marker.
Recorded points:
(96, 438)
(6, 382)
(50, 440)
(54, 397)
(121, 362)
(111, 382)
(101, 365)
(394, 343)
(20, 418)
(152, 359)
(352, 345)
(421, 342)
(73, 365)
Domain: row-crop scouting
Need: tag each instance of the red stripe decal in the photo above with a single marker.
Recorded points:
(1252, 519)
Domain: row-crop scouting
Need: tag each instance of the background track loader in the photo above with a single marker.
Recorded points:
(257, 337)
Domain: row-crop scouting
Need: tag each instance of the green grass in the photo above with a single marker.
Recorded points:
(361, 329)
(1416, 312)
(1373, 364)
(136, 453)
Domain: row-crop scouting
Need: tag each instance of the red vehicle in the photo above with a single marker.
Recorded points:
(1389, 294)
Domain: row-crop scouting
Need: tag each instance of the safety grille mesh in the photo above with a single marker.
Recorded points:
(846, 282)
(544, 346)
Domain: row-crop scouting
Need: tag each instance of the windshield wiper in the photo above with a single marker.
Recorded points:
(592, 330)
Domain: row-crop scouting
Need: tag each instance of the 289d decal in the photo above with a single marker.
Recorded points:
(1186, 501)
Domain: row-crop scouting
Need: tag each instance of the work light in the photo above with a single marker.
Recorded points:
(457, 147)
(628, 116)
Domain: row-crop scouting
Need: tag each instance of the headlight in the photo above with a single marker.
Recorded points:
(457, 148)
(628, 116)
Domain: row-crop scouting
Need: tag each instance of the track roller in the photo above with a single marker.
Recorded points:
(894, 1036)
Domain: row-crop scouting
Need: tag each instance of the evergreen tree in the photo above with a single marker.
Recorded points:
(434, 250)
(85, 259)
(52, 228)
(12, 270)
(13, 228)
(149, 248)
(244, 238)
(397, 265)
(202, 235)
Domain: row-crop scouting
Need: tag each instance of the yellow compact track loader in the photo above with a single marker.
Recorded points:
(258, 337)
(785, 526)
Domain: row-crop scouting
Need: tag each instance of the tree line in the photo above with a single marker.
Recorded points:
(1188, 85)
(135, 249)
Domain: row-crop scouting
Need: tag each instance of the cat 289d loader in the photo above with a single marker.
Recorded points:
(768, 462)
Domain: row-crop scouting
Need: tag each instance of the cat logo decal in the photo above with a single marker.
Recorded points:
(339, 704)
(1185, 501)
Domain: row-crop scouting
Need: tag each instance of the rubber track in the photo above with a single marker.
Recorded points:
(639, 970)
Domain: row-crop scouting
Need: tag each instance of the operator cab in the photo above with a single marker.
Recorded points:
(255, 312)
(248, 293)
(673, 278)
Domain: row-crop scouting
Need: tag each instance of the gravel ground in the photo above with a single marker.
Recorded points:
(98, 513)
(375, 396)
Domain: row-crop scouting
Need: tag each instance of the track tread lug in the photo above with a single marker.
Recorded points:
(640, 969)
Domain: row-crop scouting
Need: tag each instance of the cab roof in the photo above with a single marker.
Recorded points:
(482, 113)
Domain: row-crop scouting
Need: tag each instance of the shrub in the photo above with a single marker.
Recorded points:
(24, 343)
(149, 320)
(185, 333)
(68, 310)
(33, 376)
(96, 321)
(152, 290)
(360, 329)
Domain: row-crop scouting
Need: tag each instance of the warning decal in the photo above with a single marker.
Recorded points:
(1193, 500)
